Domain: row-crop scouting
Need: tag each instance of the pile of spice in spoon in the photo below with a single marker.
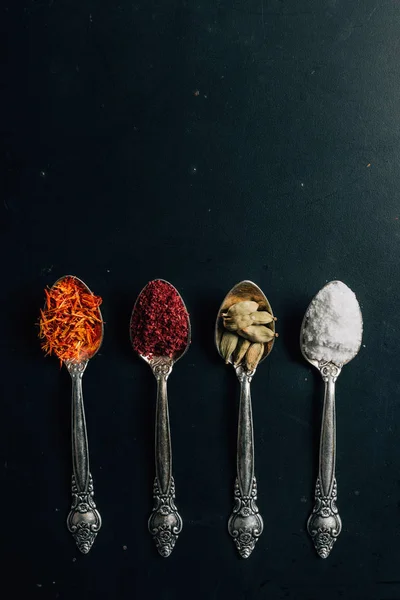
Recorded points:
(160, 321)
(332, 327)
(70, 324)
(246, 331)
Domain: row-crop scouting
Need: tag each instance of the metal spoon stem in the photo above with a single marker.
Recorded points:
(245, 441)
(327, 451)
(165, 523)
(245, 524)
(84, 520)
(324, 524)
(80, 451)
(163, 437)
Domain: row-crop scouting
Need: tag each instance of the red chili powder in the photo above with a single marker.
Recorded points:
(160, 321)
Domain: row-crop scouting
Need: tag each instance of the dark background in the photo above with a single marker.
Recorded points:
(204, 142)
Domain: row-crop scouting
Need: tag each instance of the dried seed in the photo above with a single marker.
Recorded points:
(241, 350)
(257, 333)
(254, 355)
(228, 344)
(261, 317)
(237, 322)
(242, 308)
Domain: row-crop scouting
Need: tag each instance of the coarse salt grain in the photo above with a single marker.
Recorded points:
(332, 329)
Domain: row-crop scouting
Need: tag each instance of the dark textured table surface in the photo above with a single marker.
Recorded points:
(203, 142)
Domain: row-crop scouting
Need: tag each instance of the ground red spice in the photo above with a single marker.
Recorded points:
(160, 321)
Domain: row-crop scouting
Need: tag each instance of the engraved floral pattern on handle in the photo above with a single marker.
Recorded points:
(324, 524)
(245, 524)
(165, 523)
(329, 371)
(161, 366)
(84, 520)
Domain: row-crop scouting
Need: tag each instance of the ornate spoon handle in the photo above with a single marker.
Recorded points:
(165, 523)
(324, 524)
(245, 524)
(83, 521)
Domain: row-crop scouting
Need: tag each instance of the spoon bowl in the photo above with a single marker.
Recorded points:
(331, 354)
(245, 290)
(176, 356)
(85, 288)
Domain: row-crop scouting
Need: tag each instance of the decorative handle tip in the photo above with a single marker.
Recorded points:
(245, 525)
(84, 520)
(165, 523)
(324, 524)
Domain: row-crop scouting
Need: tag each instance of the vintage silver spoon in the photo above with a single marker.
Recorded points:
(245, 525)
(330, 337)
(84, 520)
(165, 523)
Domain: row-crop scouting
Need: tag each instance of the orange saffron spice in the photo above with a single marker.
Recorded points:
(70, 324)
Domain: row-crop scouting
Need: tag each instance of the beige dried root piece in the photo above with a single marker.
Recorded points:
(253, 355)
(258, 333)
(261, 317)
(228, 345)
(238, 315)
(241, 350)
(237, 322)
(245, 307)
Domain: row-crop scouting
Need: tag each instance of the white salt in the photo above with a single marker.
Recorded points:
(332, 329)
